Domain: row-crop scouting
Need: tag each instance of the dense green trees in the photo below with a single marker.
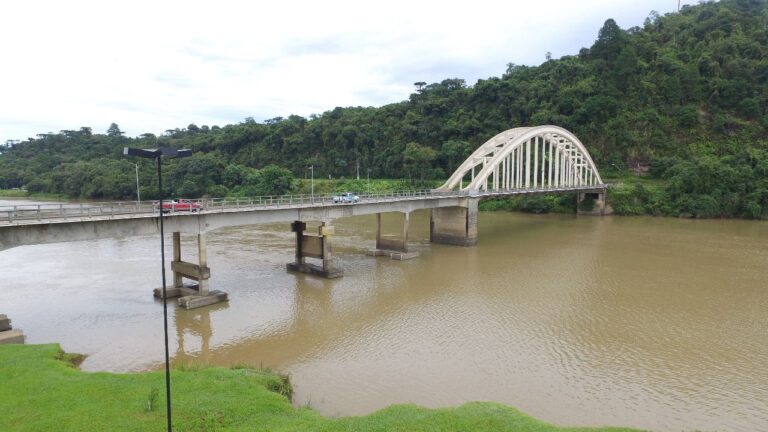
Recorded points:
(687, 90)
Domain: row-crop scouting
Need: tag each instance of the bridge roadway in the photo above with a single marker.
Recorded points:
(51, 223)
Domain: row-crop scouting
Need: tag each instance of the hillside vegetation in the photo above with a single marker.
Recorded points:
(684, 97)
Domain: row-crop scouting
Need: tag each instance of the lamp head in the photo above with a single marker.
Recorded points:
(166, 152)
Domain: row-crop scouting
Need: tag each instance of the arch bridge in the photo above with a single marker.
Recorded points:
(524, 160)
(531, 158)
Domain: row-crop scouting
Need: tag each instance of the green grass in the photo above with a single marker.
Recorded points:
(45, 196)
(18, 193)
(43, 390)
(13, 193)
(362, 186)
(633, 179)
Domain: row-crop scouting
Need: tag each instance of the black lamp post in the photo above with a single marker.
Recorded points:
(159, 154)
(312, 170)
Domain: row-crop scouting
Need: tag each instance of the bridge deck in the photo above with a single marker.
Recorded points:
(63, 213)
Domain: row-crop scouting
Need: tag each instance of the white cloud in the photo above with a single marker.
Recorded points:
(151, 66)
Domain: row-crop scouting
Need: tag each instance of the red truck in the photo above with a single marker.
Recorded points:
(180, 205)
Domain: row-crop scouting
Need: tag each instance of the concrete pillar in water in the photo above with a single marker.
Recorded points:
(191, 295)
(314, 246)
(454, 225)
(7, 334)
(177, 280)
(395, 248)
(593, 204)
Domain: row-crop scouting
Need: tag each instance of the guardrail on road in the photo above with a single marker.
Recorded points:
(63, 212)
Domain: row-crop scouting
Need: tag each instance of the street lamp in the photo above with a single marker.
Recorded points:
(369, 182)
(138, 193)
(158, 154)
(312, 182)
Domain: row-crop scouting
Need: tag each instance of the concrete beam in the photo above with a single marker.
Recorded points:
(198, 301)
(191, 271)
(12, 337)
(173, 292)
(79, 230)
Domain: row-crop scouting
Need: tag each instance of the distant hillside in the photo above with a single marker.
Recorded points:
(685, 95)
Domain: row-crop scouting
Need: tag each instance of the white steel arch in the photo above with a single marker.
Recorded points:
(538, 157)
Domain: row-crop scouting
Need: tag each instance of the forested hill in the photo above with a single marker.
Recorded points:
(685, 94)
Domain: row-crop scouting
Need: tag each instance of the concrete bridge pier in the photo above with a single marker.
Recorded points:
(193, 295)
(9, 335)
(454, 225)
(395, 248)
(593, 203)
(314, 246)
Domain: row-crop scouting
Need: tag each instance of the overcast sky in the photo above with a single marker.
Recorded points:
(155, 65)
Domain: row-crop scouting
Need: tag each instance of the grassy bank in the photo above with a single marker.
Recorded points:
(19, 193)
(550, 203)
(325, 186)
(13, 193)
(42, 390)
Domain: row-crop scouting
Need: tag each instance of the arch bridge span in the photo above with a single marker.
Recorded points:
(525, 160)
(531, 158)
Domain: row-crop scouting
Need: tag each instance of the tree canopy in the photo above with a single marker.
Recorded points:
(687, 88)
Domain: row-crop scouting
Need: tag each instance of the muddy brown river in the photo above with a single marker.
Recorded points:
(645, 322)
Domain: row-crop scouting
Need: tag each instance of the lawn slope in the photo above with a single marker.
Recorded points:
(42, 390)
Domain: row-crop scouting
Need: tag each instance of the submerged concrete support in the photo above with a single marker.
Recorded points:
(191, 295)
(593, 204)
(7, 334)
(395, 248)
(454, 225)
(5, 323)
(314, 246)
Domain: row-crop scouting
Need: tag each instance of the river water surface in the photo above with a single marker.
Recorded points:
(645, 322)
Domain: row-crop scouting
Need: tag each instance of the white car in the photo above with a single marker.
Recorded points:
(347, 198)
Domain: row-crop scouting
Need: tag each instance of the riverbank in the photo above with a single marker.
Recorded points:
(43, 390)
(21, 193)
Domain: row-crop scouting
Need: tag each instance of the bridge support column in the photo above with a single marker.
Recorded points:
(7, 334)
(454, 225)
(192, 295)
(314, 246)
(395, 248)
(593, 203)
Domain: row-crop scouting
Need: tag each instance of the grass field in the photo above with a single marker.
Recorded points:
(13, 193)
(19, 193)
(42, 390)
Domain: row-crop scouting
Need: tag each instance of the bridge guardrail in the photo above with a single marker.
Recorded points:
(67, 211)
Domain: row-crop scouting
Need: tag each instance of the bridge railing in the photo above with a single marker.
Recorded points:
(89, 210)
(72, 210)
(214, 204)
(106, 210)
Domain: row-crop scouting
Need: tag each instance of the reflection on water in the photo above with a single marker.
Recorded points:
(652, 323)
(193, 334)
